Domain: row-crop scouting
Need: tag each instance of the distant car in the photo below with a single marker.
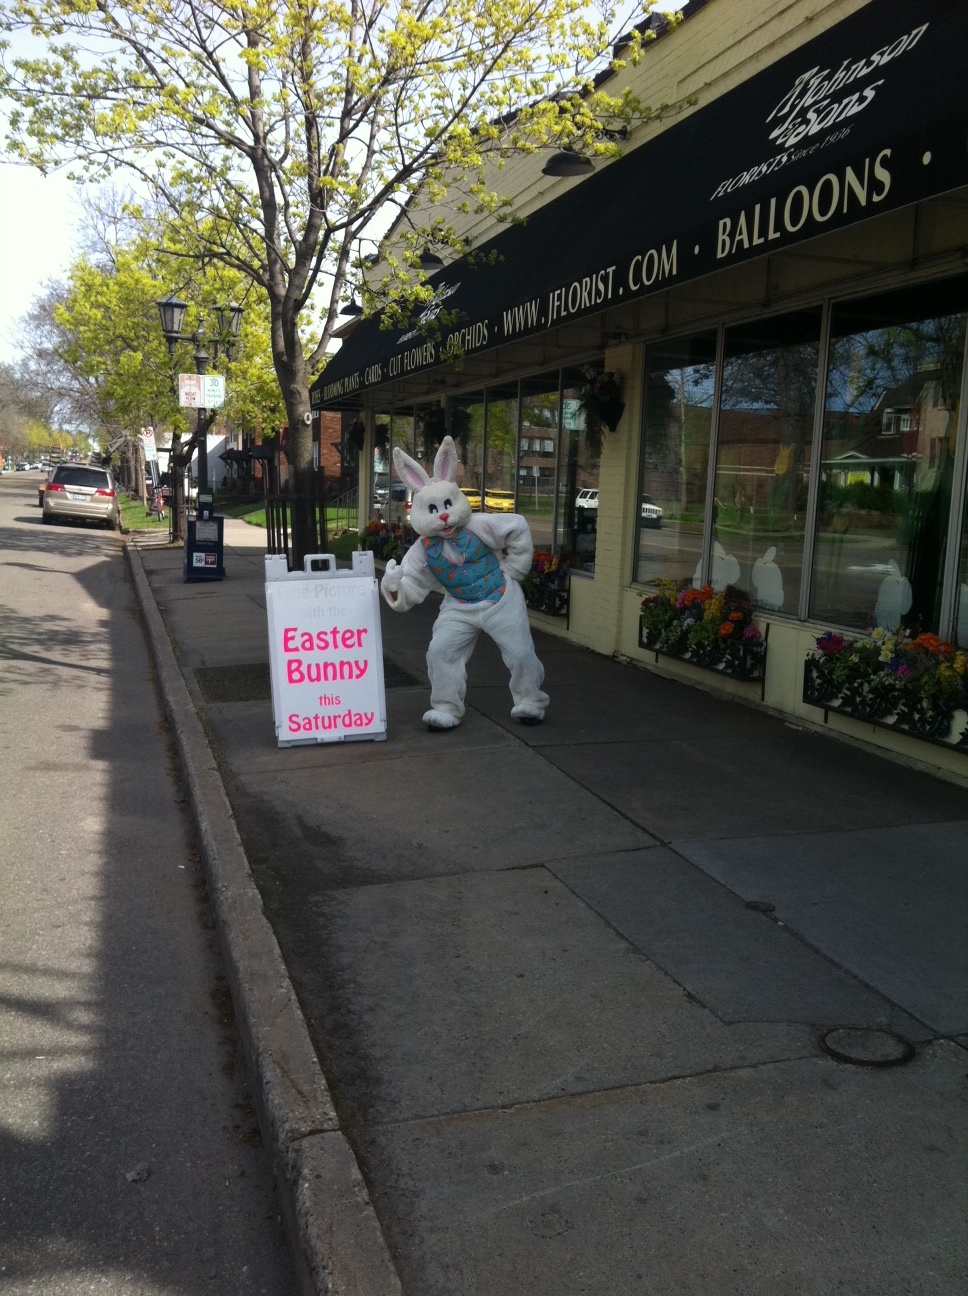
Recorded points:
(21, 468)
(473, 497)
(651, 513)
(586, 499)
(498, 501)
(79, 491)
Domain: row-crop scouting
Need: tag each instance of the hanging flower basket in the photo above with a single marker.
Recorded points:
(433, 426)
(712, 631)
(915, 684)
(602, 406)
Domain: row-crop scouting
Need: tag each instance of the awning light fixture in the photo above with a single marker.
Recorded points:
(430, 261)
(567, 163)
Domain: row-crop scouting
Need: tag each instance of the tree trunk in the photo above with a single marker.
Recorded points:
(308, 535)
(177, 501)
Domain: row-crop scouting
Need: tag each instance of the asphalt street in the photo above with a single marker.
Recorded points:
(131, 1161)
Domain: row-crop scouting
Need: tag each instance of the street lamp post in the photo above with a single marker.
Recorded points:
(228, 319)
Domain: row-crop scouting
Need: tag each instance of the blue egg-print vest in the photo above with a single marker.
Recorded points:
(478, 579)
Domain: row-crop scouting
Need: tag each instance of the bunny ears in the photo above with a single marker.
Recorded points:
(411, 472)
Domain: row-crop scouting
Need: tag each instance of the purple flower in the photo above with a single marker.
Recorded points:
(751, 634)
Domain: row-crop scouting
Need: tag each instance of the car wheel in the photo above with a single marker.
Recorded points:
(47, 518)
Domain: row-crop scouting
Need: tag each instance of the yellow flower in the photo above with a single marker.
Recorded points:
(961, 663)
(947, 672)
(713, 610)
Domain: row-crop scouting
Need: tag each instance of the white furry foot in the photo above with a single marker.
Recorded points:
(527, 714)
(436, 721)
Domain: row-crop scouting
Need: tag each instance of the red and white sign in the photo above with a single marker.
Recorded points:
(325, 651)
(148, 442)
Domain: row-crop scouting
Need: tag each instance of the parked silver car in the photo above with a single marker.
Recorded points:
(79, 491)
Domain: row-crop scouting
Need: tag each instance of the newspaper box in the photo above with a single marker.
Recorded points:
(325, 651)
(204, 542)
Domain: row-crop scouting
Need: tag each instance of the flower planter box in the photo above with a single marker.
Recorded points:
(739, 661)
(551, 602)
(878, 702)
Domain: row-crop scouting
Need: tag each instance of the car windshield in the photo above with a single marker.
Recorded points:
(93, 477)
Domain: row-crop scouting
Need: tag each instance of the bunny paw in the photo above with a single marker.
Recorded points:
(527, 714)
(437, 721)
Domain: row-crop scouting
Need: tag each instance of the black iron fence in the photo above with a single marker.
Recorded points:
(290, 512)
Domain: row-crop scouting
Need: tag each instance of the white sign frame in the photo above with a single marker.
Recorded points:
(325, 651)
(201, 391)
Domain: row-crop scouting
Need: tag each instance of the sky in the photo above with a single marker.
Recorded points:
(38, 230)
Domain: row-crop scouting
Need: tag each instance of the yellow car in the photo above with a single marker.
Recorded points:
(473, 497)
(498, 501)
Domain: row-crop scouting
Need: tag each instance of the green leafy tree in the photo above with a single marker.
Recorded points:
(95, 344)
(277, 134)
(27, 417)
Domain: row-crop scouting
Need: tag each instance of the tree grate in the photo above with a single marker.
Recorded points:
(250, 683)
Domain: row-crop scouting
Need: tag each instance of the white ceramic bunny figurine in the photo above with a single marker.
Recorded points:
(478, 560)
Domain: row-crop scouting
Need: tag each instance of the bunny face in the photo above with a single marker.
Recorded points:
(438, 506)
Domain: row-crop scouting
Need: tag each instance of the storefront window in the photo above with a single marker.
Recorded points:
(767, 404)
(679, 383)
(501, 438)
(538, 456)
(380, 504)
(961, 591)
(467, 429)
(401, 434)
(578, 480)
(890, 426)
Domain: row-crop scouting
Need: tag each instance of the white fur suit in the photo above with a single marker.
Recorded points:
(502, 613)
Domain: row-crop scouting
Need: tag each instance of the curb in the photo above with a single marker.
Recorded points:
(336, 1241)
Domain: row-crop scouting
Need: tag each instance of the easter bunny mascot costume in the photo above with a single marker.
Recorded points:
(478, 560)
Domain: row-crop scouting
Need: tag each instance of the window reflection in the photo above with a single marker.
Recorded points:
(767, 404)
(501, 437)
(538, 456)
(890, 424)
(675, 457)
(379, 505)
(961, 591)
(467, 429)
(577, 528)
(401, 434)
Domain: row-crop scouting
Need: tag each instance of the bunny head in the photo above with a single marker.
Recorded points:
(438, 506)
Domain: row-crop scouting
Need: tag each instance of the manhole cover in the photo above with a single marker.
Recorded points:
(863, 1046)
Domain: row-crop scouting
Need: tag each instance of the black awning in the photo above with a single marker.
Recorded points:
(869, 116)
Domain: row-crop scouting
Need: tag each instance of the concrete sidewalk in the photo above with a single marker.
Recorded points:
(566, 984)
